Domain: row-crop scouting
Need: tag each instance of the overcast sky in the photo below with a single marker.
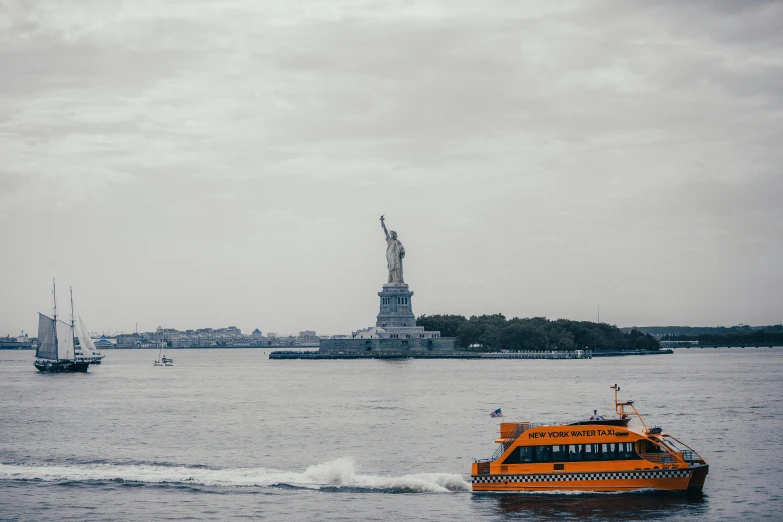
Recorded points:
(204, 164)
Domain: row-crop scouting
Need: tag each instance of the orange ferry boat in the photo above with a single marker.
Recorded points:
(594, 455)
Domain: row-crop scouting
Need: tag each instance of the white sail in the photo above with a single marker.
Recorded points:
(47, 342)
(85, 341)
(64, 341)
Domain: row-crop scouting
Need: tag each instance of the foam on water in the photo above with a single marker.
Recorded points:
(339, 473)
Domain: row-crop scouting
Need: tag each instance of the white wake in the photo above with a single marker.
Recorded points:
(339, 473)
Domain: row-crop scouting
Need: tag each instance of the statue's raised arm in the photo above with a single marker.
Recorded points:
(383, 224)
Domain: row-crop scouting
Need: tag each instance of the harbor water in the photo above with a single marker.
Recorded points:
(229, 435)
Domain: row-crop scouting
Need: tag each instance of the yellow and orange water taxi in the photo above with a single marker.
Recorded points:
(594, 455)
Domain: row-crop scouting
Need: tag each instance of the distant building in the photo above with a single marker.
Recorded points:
(103, 342)
(231, 330)
(373, 332)
(129, 340)
(228, 337)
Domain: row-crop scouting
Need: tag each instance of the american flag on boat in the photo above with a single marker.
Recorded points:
(496, 413)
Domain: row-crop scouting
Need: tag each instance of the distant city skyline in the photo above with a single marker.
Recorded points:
(207, 163)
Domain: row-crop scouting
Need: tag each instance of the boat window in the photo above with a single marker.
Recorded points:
(525, 454)
(559, 453)
(649, 447)
(574, 452)
(543, 453)
(676, 445)
(520, 455)
(625, 451)
(592, 452)
(608, 451)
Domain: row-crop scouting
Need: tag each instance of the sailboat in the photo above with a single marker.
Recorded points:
(56, 352)
(163, 360)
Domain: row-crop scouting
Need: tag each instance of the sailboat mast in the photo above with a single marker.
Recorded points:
(73, 322)
(56, 341)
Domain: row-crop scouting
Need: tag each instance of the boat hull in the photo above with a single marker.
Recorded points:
(61, 366)
(689, 480)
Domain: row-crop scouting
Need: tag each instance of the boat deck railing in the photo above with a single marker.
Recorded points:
(659, 458)
(668, 458)
(691, 456)
(683, 450)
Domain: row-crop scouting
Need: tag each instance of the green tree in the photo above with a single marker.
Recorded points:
(524, 335)
(468, 334)
(447, 325)
(493, 332)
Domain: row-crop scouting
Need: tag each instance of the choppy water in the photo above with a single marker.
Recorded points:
(228, 434)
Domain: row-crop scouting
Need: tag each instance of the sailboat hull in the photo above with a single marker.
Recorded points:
(60, 366)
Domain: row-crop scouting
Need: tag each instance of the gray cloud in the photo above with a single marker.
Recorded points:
(226, 162)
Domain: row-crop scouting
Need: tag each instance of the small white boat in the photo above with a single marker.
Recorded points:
(163, 360)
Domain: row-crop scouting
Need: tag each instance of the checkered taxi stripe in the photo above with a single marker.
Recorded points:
(568, 477)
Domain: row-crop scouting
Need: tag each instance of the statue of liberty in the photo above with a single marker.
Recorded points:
(394, 254)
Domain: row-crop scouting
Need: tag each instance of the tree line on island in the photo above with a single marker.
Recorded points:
(740, 335)
(495, 332)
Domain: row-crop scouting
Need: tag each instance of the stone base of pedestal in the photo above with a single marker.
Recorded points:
(395, 329)
(396, 307)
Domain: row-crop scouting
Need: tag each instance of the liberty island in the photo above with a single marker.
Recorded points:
(396, 333)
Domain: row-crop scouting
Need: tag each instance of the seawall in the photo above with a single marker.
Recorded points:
(455, 355)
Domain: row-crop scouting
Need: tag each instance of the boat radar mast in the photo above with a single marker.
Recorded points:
(619, 407)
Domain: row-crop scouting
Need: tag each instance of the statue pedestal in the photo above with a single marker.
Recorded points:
(396, 308)
(395, 330)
